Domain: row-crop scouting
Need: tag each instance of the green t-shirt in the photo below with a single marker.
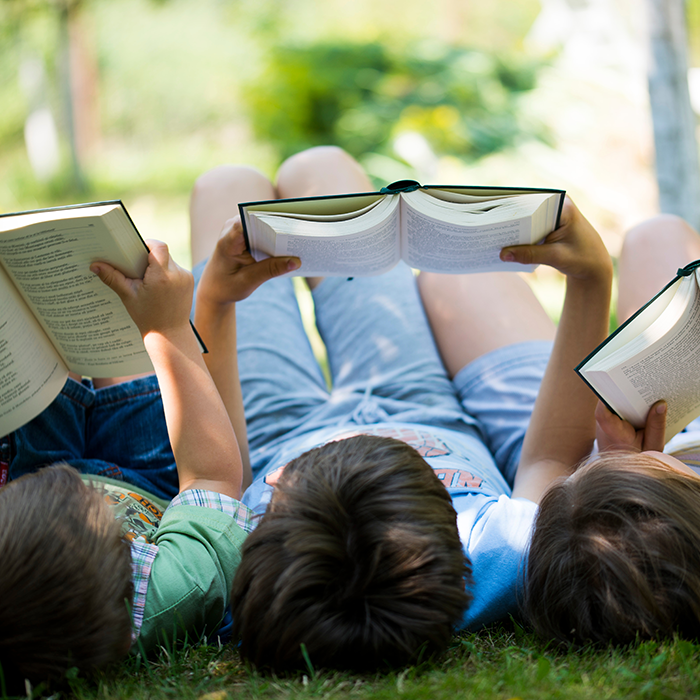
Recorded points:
(184, 556)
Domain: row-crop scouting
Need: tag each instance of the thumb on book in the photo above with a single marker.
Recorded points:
(523, 254)
(250, 277)
(655, 428)
(273, 267)
(114, 279)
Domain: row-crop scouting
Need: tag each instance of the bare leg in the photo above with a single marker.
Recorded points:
(319, 171)
(214, 200)
(651, 254)
(471, 315)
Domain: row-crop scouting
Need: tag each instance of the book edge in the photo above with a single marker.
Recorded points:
(596, 350)
(504, 189)
(244, 205)
(66, 207)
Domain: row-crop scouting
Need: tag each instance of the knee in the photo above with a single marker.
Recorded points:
(230, 178)
(313, 160)
(661, 229)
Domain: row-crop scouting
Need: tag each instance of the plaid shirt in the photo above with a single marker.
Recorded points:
(143, 554)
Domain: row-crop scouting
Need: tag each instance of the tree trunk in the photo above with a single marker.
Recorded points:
(677, 170)
(67, 9)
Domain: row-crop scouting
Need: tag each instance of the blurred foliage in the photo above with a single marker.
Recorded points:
(21, 22)
(174, 87)
(361, 95)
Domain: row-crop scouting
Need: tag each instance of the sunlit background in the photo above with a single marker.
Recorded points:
(133, 99)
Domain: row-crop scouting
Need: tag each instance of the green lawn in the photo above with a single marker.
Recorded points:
(498, 662)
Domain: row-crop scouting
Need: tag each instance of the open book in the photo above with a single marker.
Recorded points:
(55, 315)
(654, 355)
(432, 228)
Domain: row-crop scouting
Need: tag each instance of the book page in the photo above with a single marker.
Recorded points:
(459, 196)
(84, 319)
(443, 231)
(31, 372)
(641, 328)
(669, 369)
(434, 245)
(363, 246)
(484, 194)
(321, 209)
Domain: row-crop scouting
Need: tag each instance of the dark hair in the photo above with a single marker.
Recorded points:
(615, 553)
(357, 562)
(65, 578)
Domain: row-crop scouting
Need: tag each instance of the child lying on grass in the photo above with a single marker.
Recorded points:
(380, 495)
(615, 555)
(93, 562)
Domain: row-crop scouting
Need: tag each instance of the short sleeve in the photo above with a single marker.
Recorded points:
(199, 550)
(495, 534)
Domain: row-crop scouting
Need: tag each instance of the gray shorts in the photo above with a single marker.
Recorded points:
(384, 366)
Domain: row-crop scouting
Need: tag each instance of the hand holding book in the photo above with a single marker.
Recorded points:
(55, 315)
(160, 302)
(573, 248)
(653, 356)
(232, 274)
(615, 433)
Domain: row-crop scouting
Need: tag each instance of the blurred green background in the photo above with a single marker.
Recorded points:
(161, 90)
(133, 99)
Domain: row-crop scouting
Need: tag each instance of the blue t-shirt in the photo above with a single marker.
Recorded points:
(494, 528)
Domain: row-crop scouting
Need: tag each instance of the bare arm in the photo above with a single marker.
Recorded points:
(231, 274)
(562, 427)
(201, 435)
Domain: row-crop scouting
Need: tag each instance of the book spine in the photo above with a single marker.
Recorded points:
(241, 211)
(688, 270)
(401, 186)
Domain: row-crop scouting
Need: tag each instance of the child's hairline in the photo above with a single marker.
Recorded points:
(286, 476)
(43, 473)
(644, 460)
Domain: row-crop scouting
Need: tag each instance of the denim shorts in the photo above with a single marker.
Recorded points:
(499, 390)
(384, 366)
(118, 432)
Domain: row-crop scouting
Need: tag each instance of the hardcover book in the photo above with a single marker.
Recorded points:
(451, 229)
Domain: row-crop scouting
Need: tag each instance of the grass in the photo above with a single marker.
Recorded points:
(502, 661)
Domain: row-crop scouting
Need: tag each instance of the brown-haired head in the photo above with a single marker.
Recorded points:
(357, 562)
(614, 555)
(65, 578)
